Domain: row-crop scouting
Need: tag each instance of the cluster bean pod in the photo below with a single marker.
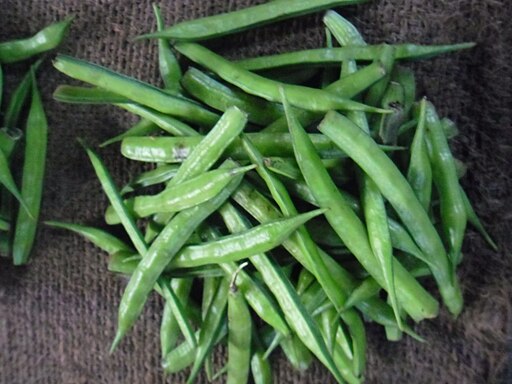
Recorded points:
(305, 289)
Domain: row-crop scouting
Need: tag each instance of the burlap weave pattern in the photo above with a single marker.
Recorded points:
(57, 315)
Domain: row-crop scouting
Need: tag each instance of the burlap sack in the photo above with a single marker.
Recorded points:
(57, 315)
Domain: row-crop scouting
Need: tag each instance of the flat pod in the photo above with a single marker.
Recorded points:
(36, 136)
(236, 21)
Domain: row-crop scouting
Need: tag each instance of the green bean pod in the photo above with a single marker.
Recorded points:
(402, 241)
(405, 77)
(344, 363)
(46, 39)
(96, 95)
(474, 220)
(169, 328)
(393, 333)
(159, 175)
(141, 128)
(220, 97)
(36, 136)
(164, 121)
(98, 237)
(184, 354)
(349, 86)
(353, 83)
(239, 336)
(87, 95)
(240, 20)
(323, 56)
(444, 175)
(347, 34)
(283, 166)
(126, 262)
(18, 98)
(393, 99)
(210, 288)
(380, 239)
(296, 352)
(238, 246)
(7, 180)
(4, 225)
(170, 70)
(358, 337)
(152, 230)
(9, 138)
(328, 321)
(419, 173)
(299, 189)
(377, 90)
(260, 369)
(137, 239)
(115, 199)
(123, 262)
(179, 358)
(449, 128)
(191, 192)
(179, 149)
(208, 150)
(178, 310)
(211, 146)
(354, 322)
(288, 167)
(367, 289)
(135, 90)
(304, 281)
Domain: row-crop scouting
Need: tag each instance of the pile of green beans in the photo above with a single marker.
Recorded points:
(288, 210)
(23, 140)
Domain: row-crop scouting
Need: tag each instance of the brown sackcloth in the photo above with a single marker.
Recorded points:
(57, 315)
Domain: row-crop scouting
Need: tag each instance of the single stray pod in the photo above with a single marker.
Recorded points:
(24, 146)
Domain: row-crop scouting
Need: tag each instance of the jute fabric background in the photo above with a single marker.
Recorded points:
(57, 315)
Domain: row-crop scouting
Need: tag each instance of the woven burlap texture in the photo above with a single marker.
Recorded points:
(57, 315)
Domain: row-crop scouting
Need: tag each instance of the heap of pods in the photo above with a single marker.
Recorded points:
(287, 214)
(20, 206)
